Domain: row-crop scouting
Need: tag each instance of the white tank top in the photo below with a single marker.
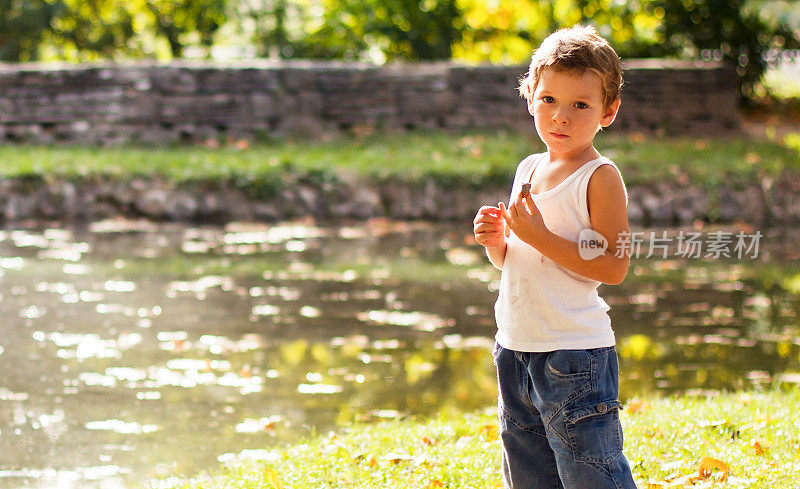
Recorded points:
(541, 305)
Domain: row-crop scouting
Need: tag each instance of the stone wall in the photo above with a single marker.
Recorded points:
(155, 103)
(37, 199)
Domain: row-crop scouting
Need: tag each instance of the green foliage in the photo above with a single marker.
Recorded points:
(23, 27)
(177, 19)
(413, 30)
(509, 31)
(92, 29)
(723, 29)
(290, 29)
(405, 29)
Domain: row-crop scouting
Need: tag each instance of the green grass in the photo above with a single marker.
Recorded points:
(755, 434)
(472, 157)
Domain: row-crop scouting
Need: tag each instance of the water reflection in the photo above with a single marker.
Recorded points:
(132, 351)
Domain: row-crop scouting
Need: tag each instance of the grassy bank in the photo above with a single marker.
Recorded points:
(477, 157)
(749, 439)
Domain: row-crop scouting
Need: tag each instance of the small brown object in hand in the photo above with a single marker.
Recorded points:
(526, 189)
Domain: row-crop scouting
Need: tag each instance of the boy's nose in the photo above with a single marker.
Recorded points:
(559, 117)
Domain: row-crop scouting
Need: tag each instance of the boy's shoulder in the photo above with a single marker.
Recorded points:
(530, 160)
(603, 157)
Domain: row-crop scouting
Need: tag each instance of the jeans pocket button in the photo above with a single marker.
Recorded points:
(602, 408)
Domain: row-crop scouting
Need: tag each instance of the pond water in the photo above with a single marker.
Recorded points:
(131, 351)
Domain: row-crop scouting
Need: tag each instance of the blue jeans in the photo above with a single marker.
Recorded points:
(559, 419)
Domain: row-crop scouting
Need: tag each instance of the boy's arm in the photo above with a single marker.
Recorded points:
(609, 217)
(497, 255)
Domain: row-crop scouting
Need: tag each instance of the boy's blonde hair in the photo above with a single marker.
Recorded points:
(577, 49)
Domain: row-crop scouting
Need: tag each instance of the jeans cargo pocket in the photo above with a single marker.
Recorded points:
(594, 432)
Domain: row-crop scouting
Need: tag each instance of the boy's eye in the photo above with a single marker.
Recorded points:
(548, 99)
(581, 105)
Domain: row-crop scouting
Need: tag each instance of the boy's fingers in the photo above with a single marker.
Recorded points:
(531, 205)
(513, 211)
(506, 217)
(486, 227)
(503, 211)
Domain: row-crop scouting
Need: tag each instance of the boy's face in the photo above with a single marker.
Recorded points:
(568, 110)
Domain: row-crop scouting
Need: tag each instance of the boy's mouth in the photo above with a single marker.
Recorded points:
(558, 135)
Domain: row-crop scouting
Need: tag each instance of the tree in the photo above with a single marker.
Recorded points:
(350, 29)
(92, 29)
(175, 19)
(23, 26)
(507, 32)
(730, 30)
(282, 29)
(410, 29)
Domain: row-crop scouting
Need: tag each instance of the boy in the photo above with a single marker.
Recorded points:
(556, 363)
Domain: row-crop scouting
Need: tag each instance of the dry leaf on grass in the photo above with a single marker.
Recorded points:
(634, 405)
(490, 431)
(707, 467)
(396, 458)
(758, 446)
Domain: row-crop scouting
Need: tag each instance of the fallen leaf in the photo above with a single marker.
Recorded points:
(634, 405)
(429, 441)
(396, 458)
(371, 460)
(706, 469)
(435, 483)
(757, 446)
(490, 431)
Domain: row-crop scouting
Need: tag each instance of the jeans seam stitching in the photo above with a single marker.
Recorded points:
(507, 416)
(577, 394)
(605, 467)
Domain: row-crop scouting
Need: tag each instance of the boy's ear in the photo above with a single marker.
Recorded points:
(529, 100)
(610, 113)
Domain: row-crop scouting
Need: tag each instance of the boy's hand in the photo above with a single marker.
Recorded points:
(524, 218)
(489, 227)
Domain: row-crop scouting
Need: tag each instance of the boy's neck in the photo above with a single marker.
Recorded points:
(575, 158)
